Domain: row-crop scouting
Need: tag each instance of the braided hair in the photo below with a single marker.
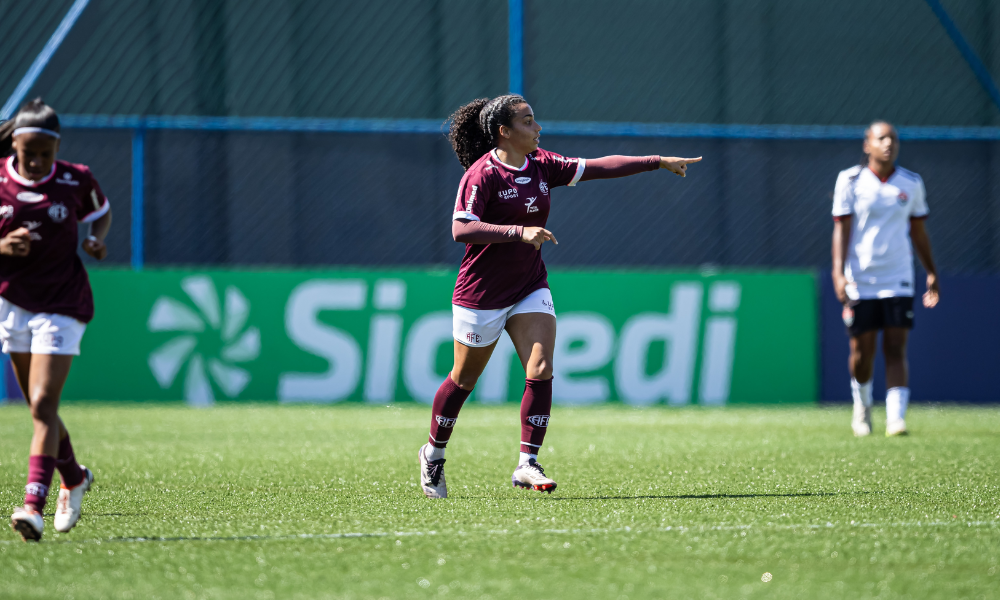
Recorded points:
(474, 129)
(35, 113)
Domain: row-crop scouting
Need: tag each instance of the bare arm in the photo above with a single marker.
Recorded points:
(841, 238)
(94, 244)
(922, 246)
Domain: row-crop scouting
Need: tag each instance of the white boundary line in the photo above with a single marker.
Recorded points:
(501, 532)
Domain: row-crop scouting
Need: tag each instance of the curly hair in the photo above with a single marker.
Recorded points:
(474, 129)
(35, 113)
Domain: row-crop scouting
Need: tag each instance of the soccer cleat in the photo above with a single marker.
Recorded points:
(28, 522)
(70, 500)
(896, 427)
(861, 423)
(432, 476)
(530, 475)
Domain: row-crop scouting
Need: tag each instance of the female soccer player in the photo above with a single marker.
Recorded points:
(500, 214)
(878, 209)
(45, 297)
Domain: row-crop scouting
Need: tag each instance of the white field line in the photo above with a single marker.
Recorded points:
(489, 532)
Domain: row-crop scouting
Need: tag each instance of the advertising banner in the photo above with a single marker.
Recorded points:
(639, 337)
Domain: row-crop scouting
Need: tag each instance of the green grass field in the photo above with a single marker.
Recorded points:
(322, 502)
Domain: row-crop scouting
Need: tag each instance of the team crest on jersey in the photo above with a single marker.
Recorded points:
(903, 198)
(539, 420)
(6, 212)
(30, 197)
(544, 187)
(58, 212)
(523, 180)
(67, 179)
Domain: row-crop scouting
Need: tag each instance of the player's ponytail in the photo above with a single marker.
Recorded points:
(35, 113)
(473, 129)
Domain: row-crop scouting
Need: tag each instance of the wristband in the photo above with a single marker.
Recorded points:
(92, 238)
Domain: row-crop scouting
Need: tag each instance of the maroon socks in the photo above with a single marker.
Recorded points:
(40, 469)
(69, 470)
(447, 402)
(536, 406)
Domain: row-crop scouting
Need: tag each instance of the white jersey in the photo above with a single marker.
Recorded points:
(879, 255)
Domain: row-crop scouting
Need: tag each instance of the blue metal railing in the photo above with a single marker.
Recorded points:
(139, 125)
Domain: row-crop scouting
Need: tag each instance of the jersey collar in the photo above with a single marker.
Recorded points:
(527, 159)
(27, 182)
(886, 180)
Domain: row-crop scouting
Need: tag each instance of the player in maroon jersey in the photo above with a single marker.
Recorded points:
(500, 214)
(45, 297)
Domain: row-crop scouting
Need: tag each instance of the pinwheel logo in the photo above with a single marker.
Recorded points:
(210, 341)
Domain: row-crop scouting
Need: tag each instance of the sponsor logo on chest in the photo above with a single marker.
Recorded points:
(67, 179)
(523, 180)
(531, 204)
(508, 194)
(6, 211)
(32, 226)
(30, 197)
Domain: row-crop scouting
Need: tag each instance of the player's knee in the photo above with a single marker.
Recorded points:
(43, 408)
(464, 380)
(541, 369)
(894, 353)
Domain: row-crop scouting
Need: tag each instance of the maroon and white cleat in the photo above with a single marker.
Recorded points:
(531, 476)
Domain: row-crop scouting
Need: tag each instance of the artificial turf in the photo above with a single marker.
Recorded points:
(272, 501)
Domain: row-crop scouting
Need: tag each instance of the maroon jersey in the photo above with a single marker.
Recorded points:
(500, 275)
(51, 278)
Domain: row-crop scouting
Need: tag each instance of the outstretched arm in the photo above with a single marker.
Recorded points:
(610, 167)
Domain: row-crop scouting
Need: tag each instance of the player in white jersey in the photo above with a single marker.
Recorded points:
(878, 209)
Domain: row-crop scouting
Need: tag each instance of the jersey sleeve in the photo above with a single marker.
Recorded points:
(93, 203)
(558, 169)
(470, 203)
(918, 208)
(843, 196)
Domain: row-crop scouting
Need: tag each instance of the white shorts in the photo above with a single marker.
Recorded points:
(479, 328)
(38, 333)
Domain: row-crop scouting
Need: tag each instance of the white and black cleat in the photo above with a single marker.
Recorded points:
(28, 523)
(432, 476)
(530, 475)
(70, 501)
